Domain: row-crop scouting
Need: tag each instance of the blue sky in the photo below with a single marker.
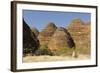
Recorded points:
(39, 19)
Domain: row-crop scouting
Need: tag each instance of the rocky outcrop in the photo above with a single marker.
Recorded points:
(80, 32)
(45, 35)
(61, 39)
(30, 41)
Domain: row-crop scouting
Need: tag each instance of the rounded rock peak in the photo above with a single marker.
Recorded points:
(77, 21)
(50, 25)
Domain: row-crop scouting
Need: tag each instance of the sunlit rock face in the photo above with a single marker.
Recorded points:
(46, 34)
(80, 31)
(61, 39)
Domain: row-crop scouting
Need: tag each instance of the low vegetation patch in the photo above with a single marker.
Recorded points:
(43, 50)
(64, 51)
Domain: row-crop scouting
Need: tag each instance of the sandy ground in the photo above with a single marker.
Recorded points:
(47, 58)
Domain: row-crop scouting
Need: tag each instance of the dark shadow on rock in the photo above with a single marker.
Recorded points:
(30, 41)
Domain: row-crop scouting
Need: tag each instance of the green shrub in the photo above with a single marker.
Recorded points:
(43, 50)
(28, 51)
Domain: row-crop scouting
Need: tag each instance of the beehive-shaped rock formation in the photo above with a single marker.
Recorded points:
(80, 32)
(45, 35)
(61, 39)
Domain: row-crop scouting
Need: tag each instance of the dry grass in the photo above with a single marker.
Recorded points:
(47, 58)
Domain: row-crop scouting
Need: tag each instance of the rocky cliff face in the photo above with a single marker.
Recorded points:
(45, 35)
(61, 39)
(80, 32)
(30, 41)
